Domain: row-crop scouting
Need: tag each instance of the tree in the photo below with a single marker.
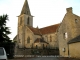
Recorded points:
(4, 38)
(4, 30)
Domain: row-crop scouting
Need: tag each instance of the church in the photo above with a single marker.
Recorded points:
(30, 37)
(64, 36)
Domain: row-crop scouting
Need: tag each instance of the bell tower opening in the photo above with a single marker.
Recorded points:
(28, 21)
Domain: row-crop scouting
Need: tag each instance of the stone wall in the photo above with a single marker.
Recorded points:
(28, 33)
(68, 29)
(74, 50)
(28, 51)
(51, 39)
(40, 45)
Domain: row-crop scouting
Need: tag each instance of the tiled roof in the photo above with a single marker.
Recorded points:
(49, 29)
(77, 39)
(40, 40)
(34, 30)
(45, 30)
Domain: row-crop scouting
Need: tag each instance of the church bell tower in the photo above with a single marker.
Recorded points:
(24, 19)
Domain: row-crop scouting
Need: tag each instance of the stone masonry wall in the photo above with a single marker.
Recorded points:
(69, 29)
(74, 50)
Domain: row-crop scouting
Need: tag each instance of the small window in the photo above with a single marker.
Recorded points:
(65, 35)
(63, 49)
(36, 46)
(76, 20)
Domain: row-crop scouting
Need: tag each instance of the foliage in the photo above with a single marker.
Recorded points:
(4, 31)
(4, 38)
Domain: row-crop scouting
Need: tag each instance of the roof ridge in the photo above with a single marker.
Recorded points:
(50, 26)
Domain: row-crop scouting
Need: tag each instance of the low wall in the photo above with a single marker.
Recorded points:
(28, 51)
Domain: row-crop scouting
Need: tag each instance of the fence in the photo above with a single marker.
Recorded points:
(36, 52)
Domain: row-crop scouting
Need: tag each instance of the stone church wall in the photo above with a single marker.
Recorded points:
(29, 34)
(51, 39)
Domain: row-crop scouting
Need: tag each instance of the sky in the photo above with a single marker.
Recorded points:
(45, 12)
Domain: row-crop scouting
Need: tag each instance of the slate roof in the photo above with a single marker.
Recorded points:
(45, 30)
(40, 40)
(76, 39)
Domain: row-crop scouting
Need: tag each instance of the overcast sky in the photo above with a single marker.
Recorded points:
(45, 12)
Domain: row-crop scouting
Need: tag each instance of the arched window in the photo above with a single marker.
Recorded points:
(28, 21)
(43, 46)
(28, 40)
(50, 38)
(36, 46)
(46, 38)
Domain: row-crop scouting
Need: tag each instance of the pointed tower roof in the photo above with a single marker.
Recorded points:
(25, 9)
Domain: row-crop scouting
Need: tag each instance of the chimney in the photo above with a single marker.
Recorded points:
(69, 10)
